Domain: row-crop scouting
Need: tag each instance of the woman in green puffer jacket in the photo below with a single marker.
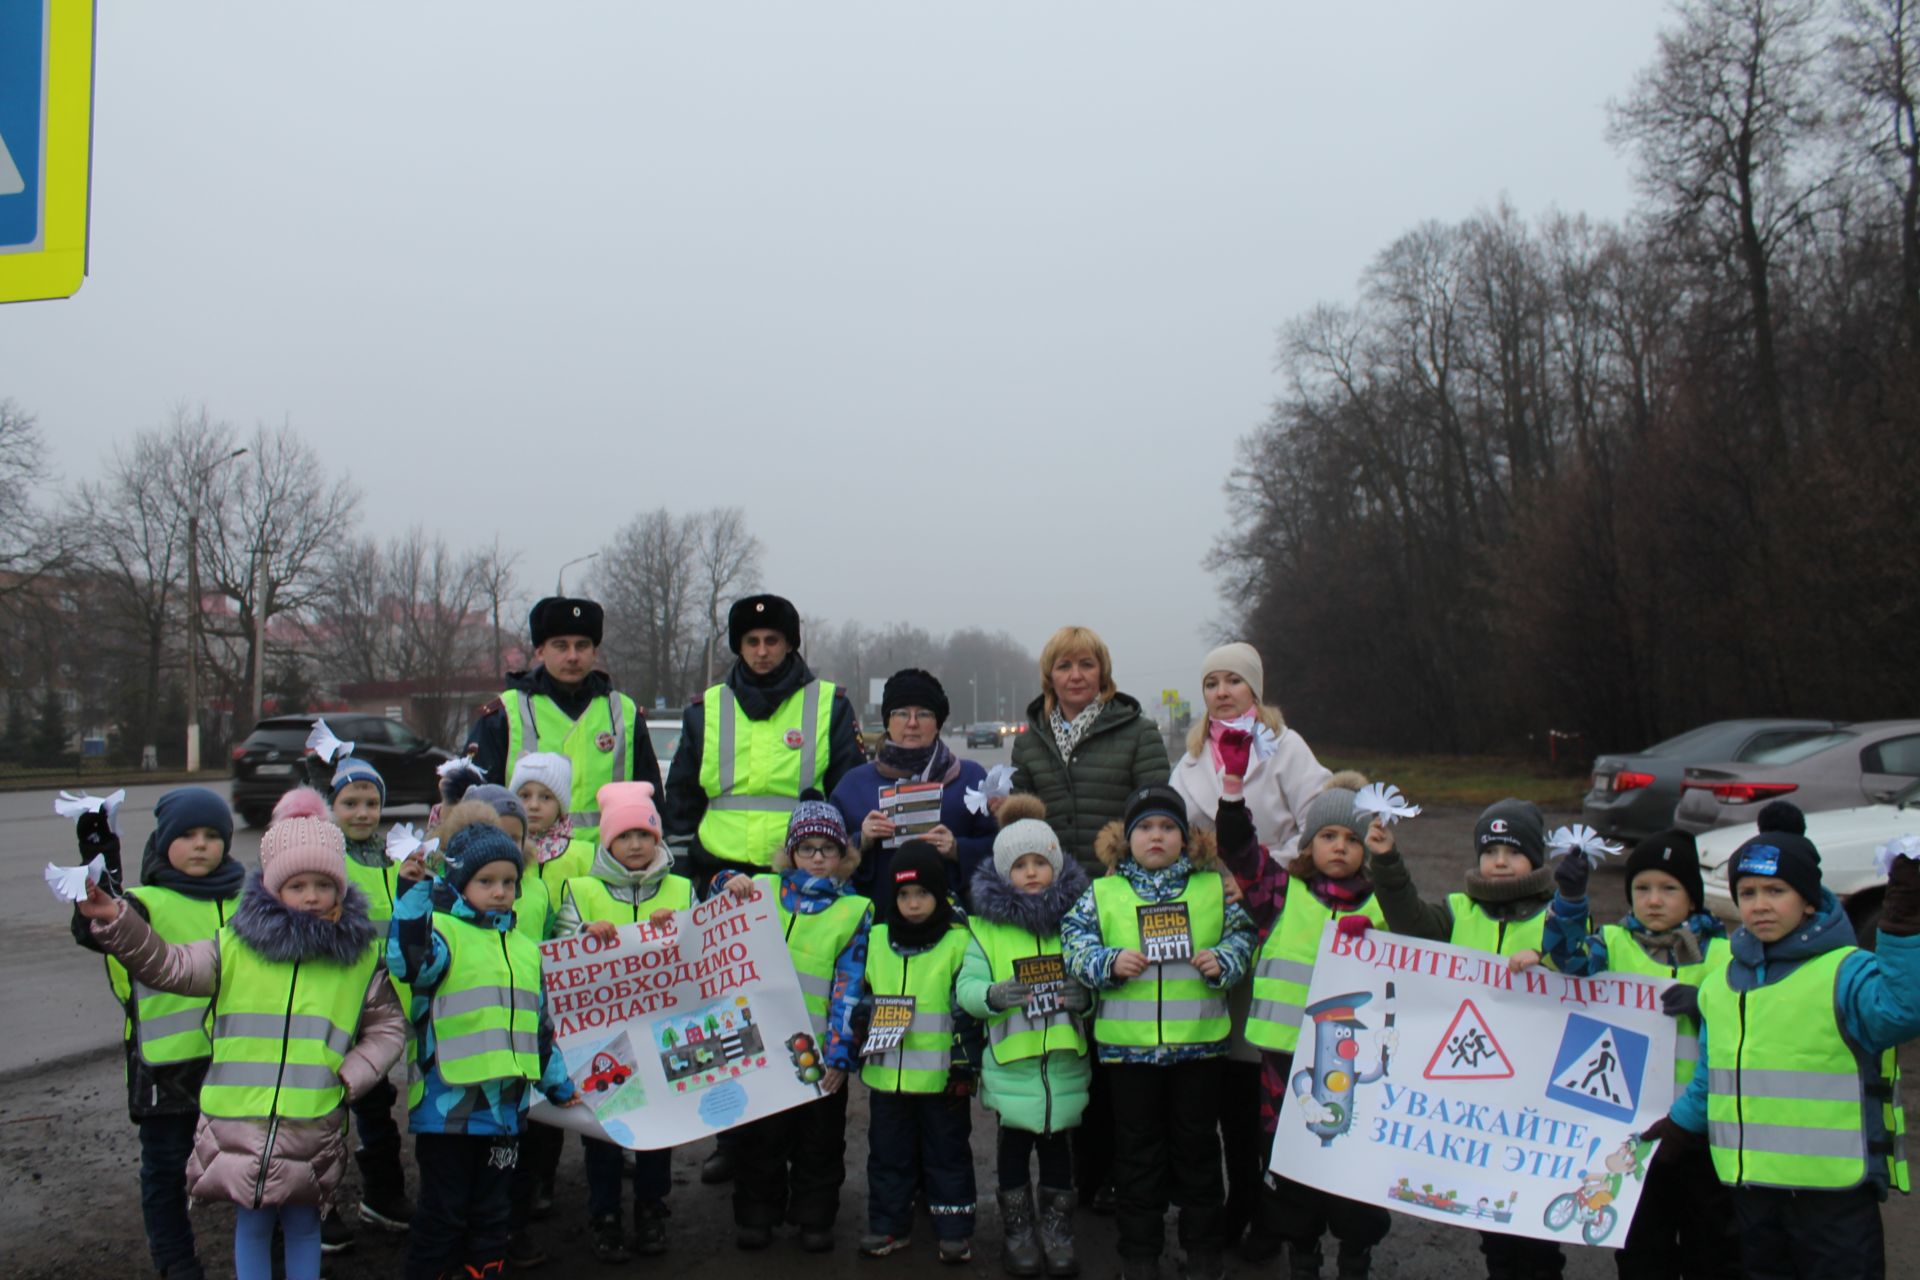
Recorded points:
(1087, 746)
(1036, 1073)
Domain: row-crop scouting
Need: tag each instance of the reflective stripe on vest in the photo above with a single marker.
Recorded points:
(1626, 955)
(1790, 1103)
(1284, 968)
(536, 723)
(165, 1028)
(1473, 927)
(593, 900)
(920, 1062)
(486, 1014)
(753, 771)
(280, 1032)
(1170, 1003)
(815, 942)
(1011, 1035)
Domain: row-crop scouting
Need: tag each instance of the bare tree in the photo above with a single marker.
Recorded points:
(1878, 67)
(647, 578)
(32, 543)
(496, 585)
(729, 566)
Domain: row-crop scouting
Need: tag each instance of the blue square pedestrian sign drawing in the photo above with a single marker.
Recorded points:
(22, 112)
(1599, 1068)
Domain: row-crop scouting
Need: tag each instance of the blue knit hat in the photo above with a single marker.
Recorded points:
(473, 848)
(184, 808)
(352, 769)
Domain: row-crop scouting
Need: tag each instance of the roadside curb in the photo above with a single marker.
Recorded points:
(118, 778)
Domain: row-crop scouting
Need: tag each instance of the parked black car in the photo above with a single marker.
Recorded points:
(272, 760)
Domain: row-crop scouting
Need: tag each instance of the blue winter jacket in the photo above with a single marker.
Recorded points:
(416, 956)
(859, 794)
(807, 895)
(1571, 949)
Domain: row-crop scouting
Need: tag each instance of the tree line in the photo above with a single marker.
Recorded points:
(1556, 474)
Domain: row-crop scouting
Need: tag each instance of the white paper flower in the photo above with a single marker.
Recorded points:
(323, 744)
(1385, 801)
(458, 763)
(997, 783)
(1899, 847)
(1583, 838)
(403, 841)
(70, 805)
(69, 884)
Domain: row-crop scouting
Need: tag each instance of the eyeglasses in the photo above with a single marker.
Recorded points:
(811, 850)
(911, 713)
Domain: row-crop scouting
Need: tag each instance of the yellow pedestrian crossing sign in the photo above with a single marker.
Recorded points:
(46, 136)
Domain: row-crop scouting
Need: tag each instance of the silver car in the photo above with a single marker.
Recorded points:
(1847, 766)
(1633, 794)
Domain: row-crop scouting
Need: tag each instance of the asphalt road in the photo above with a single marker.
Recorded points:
(69, 1159)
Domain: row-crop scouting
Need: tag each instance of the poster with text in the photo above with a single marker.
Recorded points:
(1432, 1080)
(676, 1033)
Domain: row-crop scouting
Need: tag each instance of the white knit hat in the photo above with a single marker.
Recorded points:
(1240, 658)
(548, 768)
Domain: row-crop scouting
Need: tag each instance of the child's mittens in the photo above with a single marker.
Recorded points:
(1900, 909)
(1010, 994)
(1681, 1000)
(1075, 998)
(1352, 926)
(1236, 748)
(1570, 875)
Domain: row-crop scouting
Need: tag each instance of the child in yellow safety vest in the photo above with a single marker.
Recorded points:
(303, 1019)
(920, 1126)
(1160, 942)
(1797, 1090)
(544, 782)
(1503, 910)
(1035, 1074)
(482, 1044)
(1324, 879)
(792, 1164)
(189, 886)
(631, 880)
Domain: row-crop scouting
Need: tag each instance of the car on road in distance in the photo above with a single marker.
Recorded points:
(272, 760)
(984, 734)
(1633, 794)
(1847, 766)
(665, 735)
(1847, 840)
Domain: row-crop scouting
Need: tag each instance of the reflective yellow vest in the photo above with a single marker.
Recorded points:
(380, 884)
(815, 941)
(919, 1063)
(1625, 955)
(753, 771)
(1011, 1035)
(280, 1031)
(486, 1012)
(1170, 1003)
(533, 909)
(164, 1028)
(595, 901)
(598, 742)
(576, 861)
(1787, 1095)
(1284, 969)
(1473, 927)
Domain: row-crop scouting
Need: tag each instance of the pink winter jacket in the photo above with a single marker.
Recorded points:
(246, 1161)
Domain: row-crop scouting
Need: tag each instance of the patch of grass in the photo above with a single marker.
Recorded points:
(1463, 780)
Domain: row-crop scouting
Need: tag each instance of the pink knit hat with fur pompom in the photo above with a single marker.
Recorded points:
(626, 806)
(300, 839)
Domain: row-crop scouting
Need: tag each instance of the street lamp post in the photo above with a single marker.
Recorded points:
(193, 607)
(560, 578)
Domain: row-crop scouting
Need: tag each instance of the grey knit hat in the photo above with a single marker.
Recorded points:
(1333, 807)
(1018, 839)
(502, 801)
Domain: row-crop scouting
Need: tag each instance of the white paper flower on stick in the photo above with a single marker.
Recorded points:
(1899, 847)
(1384, 801)
(69, 884)
(323, 744)
(1583, 839)
(997, 783)
(70, 804)
(403, 841)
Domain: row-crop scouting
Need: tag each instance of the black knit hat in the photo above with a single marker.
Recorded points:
(913, 688)
(917, 863)
(1675, 853)
(1159, 799)
(1781, 854)
(1782, 815)
(565, 616)
(1514, 822)
(764, 611)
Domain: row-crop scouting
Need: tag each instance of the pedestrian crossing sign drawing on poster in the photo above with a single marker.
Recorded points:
(1600, 1068)
(1468, 1050)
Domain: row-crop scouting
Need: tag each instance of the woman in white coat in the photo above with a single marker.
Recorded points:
(1282, 777)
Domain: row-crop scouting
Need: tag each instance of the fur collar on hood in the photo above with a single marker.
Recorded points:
(1038, 913)
(1110, 846)
(282, 934)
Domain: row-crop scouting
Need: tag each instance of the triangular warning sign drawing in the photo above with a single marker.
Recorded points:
(1598, 1073)
(11, 183)
(1468, 1050)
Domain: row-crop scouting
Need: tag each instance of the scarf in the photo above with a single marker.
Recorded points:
(224, 881)
(1680, 942)
(1349, 894)
(1068, 733)
(935, 761)
(1502, 898)
(553, 842)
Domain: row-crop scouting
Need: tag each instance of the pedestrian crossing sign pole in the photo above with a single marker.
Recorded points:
(46, 141)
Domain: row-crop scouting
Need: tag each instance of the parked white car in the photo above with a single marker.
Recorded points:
(1847, 840)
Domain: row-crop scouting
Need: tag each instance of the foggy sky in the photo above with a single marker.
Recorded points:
(966, 304)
